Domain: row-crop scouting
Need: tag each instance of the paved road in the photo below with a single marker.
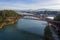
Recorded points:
(54, 33)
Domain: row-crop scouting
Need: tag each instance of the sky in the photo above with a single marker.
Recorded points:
(29, 4)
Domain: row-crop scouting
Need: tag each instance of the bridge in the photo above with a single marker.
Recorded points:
(42, 18)
(52, 24)
(56, 24)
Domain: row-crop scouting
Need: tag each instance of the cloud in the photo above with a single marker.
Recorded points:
(30, 4)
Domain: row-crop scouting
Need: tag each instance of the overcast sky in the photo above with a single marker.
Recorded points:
(29, 4)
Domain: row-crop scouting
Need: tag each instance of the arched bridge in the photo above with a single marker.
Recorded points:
(55, 23)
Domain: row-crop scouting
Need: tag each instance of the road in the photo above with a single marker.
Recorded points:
(55, 36)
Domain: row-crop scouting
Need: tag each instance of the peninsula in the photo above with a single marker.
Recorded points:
(8, 17)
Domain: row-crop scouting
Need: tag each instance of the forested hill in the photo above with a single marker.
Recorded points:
(7, 13)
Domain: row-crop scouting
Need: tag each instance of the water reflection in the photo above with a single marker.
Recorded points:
(32, 26)
(23, 30)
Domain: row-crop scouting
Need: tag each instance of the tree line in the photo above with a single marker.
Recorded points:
(7, 13)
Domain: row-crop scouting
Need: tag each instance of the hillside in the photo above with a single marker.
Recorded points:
(8, 17)
(7, 13)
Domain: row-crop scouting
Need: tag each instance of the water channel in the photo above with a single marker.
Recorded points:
(24, 29)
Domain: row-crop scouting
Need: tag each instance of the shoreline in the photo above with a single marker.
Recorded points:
(7, 23)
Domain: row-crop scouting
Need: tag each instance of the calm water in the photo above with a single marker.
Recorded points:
(24, 30)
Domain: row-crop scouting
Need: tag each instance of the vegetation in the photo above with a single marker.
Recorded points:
(48, 34)
(57, 18)
(4, 17)
(7, 13)
(1, 19)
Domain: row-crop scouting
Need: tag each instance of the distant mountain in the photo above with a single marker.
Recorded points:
(47, 9)
(40, 11)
